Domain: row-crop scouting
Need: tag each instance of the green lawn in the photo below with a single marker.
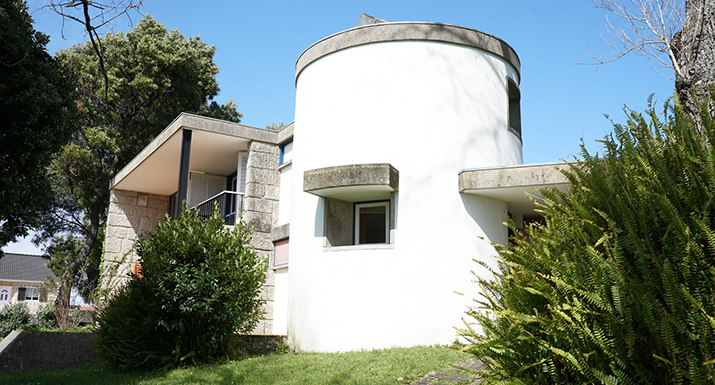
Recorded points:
(374, 367)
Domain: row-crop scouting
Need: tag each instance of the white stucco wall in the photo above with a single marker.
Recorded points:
(429, 109)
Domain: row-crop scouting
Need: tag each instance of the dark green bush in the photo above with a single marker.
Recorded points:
(200, 285)
(12, 317)
(46, 316)
(618, 285)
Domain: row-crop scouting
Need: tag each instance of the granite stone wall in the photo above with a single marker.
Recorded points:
(130, 214)
(260, 210)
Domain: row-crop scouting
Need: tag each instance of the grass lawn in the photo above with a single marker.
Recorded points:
(374, 367)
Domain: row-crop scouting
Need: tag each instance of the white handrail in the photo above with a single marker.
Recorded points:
(221, 193)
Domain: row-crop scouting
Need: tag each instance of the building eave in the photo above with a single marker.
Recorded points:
(518, 185)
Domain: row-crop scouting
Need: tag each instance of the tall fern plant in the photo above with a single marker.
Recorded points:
(617, 285)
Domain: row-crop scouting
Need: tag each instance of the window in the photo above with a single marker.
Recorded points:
(203, 186)
(286, 152)
(280, 254)
(514, 107)
(241, 172)
(28, 294)
(366, 223)
(372, 222)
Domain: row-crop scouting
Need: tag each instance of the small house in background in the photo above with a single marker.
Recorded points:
(21, 279)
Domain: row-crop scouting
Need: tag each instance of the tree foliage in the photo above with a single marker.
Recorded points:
(200, 285)
(63, 251)
(36, 106)
(617, 285)
(154, 74)
(275, 126)
(12, 317)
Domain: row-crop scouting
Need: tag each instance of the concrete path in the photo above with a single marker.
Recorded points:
(464, 373)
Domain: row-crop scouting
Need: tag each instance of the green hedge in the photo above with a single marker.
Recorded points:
(201, 284)
(12, 317)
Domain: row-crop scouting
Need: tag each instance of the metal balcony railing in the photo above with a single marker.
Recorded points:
(229, 203)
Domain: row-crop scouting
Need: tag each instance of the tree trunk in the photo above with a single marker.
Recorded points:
(68, 278)
(694, 49)
(62, 306)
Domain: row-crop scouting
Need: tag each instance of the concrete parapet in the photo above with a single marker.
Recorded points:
(24, 351)
(407, 31)
(354, 182)
(280, 232)
(512, 176)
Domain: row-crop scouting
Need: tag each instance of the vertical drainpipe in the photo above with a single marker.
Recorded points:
(183, 169)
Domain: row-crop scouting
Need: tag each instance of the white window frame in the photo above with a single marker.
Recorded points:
(35, 290)
(241, 171)
(356, 220)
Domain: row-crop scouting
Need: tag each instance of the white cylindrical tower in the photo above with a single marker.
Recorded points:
(381, 238)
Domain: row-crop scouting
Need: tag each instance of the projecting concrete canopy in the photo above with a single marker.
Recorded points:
(513, 184)
(214, 150)
(353, 183)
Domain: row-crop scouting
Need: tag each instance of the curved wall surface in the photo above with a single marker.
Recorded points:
(430, 100)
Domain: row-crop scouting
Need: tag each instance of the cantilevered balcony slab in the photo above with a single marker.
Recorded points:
(214, 150)
(353, 183)
(513, 184)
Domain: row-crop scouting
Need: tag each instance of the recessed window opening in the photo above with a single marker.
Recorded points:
(280, 253)
(286, 154)
(514, 107)
(29, 294)
(372, 222)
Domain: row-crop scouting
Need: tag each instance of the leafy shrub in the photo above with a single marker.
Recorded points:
(12, 317)
(200, 285)
(617, 285)
(46, 316)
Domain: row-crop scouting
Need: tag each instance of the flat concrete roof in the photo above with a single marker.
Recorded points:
(407, 31)
(214, 149)
(354, 182)
(514, 184)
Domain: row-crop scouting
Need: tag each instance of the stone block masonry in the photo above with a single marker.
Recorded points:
(131, 214)
(262, 184)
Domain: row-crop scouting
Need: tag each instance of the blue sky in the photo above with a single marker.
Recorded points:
(258, 43)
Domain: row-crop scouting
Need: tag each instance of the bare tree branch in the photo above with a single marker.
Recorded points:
(644, 27)
(105, 12)
(94, 15)
(96, 44)
(678, 35)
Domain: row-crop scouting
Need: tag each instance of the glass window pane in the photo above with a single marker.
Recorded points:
(32, 294)
(372, 224)
(280, 257)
